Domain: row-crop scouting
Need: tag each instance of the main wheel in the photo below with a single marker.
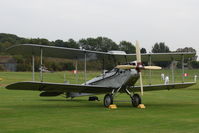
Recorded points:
(136, 100)
(108, 100)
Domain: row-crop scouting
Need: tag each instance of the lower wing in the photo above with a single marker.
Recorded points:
(163, 86)
(62, 87)
(58, 87)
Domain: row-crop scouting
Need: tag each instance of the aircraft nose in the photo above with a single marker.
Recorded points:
(132, 77)
(134, 72)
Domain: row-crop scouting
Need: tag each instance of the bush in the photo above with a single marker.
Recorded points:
(2, 68)
(195, 64)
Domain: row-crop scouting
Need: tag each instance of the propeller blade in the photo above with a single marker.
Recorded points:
(152, 67)
(141, 84)
(138, 55)
(125, 67)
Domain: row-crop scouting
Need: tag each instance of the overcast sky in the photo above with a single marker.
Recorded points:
(175, 22)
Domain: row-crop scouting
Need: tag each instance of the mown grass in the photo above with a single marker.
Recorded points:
(175, 111)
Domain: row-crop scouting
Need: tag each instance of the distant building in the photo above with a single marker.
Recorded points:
(8, 63)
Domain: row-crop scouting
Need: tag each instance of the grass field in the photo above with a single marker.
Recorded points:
(175, 111)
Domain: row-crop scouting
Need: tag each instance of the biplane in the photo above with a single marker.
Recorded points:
(124, 70)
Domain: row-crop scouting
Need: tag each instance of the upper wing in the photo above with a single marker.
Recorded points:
(163, 87)
(58, 87)
(110, 60)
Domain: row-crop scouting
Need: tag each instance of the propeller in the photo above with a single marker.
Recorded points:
(139, 66)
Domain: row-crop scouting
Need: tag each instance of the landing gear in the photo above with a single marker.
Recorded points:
(108, 100)
(136, 100)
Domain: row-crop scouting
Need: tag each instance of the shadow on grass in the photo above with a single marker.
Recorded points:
(100, 106)
(163, 105)
(172, 105)
(42, 106)
(122, 103)
(67, 100)
(84, 103)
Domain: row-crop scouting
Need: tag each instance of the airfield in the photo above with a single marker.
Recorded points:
(175, 111)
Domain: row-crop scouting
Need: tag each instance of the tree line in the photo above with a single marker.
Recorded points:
(103, 44)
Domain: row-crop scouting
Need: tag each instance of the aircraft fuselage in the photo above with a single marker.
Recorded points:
(114, 78)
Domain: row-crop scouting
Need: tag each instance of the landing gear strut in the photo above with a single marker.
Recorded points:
(136, 100)
(108, 100)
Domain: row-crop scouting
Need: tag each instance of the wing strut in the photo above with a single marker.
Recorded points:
(85, 67)
(172, 70)
(76, 71)
(182, 68)
(150, 63)
(41, 65)
(103, 72)
(33, 67)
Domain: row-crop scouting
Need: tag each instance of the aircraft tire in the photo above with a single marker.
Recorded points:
(108, 100)
(136, 100)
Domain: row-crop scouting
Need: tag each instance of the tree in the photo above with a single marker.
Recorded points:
(4, 45)
(41, 41)
(13, 39)
(128, 47)
(194, 64)
(160, 48)
(143, 50)
(186, 49)
(72, 44)
(59, 43)
(69, 44)
(88, 44)
(106, 44)
(192, 61)
(98, 44)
